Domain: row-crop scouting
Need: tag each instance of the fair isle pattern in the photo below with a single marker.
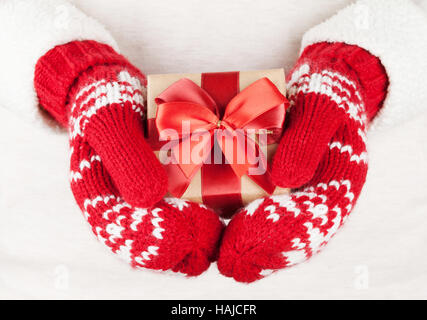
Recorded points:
(335, 86)
(143, 237)
(354, 157)
(116, 178)
(313, 201)
(101, 94)
(84, 164)
(326, 205)
(301, 224)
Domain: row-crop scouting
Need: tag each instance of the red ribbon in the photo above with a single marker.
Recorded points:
(260, 106)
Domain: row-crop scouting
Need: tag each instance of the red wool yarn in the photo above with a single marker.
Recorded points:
(115, 177)
(335, 90)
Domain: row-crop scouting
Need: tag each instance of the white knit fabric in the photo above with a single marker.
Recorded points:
(395, 31)
(28, 29)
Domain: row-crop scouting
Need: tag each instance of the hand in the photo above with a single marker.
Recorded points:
(115, 177)
(171, 234)
(323, 151)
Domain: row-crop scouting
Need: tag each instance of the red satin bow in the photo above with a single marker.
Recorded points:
(260, 106)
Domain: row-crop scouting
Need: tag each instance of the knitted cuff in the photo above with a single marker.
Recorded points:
(356, 63)
(59, 69)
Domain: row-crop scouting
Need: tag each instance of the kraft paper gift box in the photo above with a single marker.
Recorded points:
(216, 185)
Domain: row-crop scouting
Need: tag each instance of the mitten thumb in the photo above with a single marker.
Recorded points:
(117, 136)
(313, 120)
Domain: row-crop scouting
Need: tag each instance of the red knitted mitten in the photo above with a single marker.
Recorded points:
(335, 90)
(115, 177)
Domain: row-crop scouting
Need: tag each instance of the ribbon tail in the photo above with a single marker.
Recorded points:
(264, 181)
(179, 182)
(260, 171)
(233, 146)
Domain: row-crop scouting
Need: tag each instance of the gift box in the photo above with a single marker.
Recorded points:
(216, 134)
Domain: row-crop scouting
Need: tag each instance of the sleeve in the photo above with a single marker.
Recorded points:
(29, 29)
(394, 31)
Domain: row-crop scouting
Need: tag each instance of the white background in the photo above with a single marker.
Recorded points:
(48, 251)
